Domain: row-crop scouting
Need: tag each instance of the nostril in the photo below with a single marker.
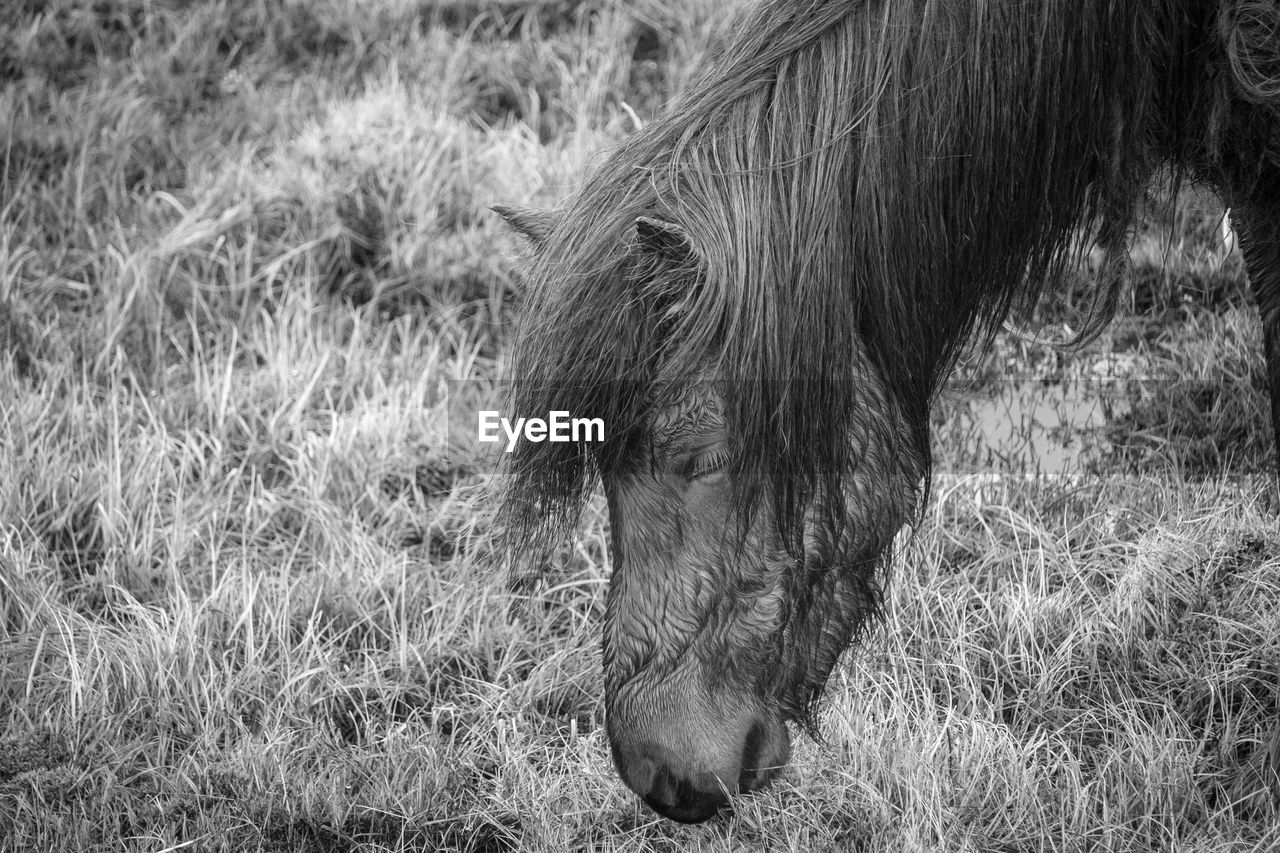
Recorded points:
(663, 793)
(635, 767)
(751, 749)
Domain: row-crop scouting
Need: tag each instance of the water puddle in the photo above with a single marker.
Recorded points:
(1028, 427)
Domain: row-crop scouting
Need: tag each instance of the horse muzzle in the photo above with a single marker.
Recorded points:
(689, 776)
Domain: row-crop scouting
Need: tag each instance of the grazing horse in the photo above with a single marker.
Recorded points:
(761, 292)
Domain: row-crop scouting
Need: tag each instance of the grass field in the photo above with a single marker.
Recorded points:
(247, 599)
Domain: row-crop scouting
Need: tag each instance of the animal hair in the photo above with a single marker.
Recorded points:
(865, 185)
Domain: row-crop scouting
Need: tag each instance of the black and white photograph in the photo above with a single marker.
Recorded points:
(640, 425)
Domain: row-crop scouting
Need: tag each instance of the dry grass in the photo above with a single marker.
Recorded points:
(245, 597)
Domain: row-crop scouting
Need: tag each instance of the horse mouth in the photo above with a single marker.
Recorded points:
(678, 800)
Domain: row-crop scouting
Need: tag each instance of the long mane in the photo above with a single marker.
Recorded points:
(862, 182)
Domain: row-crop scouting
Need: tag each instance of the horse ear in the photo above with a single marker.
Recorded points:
(663, 238)
(533, 223)
(669, 299)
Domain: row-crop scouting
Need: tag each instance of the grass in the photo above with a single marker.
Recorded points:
(249, 287)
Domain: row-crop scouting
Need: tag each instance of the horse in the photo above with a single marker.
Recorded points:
(762, 291)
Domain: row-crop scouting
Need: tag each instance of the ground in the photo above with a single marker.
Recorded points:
(250, 285)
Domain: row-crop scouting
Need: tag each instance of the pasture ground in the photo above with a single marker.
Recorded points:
(245, 597)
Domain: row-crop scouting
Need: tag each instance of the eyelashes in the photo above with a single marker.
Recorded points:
(708, 463)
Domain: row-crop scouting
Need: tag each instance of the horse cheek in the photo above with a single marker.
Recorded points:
(658, 594)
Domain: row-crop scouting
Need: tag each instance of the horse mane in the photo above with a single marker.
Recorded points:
(862, 183)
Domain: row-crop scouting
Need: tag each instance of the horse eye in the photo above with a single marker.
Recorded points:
(708, 463)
